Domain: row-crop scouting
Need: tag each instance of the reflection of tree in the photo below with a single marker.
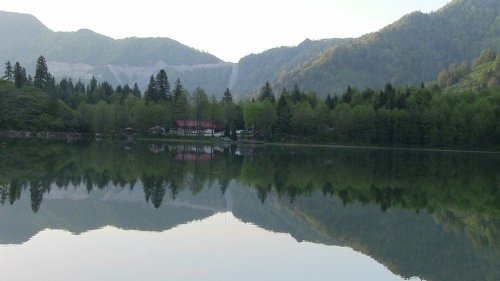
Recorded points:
(154, 189)
(435, 181)
(224, 183)
(4, 193)
(37, 189)
(280, 176)
(174, 189)
(263, 191)
(387, 197)
(14, 191)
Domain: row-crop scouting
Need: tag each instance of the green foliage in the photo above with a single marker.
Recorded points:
(98, 108)
(42, 75)
(405, 117)
(461, 189)
(485, 73)
(256, 69)
(9, 73)
(28, 108)
(260, 116)
(200, 104)
(266, 93)
(20, 78)
(408, 52)
(163, 86)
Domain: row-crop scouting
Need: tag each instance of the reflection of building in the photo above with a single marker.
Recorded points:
(190, 156)
(156, 148)
(194, 153)
(193, 127)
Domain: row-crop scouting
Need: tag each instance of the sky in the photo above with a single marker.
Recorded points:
(229, 29)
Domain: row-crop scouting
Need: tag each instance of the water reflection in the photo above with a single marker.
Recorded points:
(217, 248)
(429, 214)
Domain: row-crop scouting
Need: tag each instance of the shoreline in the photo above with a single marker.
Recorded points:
(275, 144)
(383, 148)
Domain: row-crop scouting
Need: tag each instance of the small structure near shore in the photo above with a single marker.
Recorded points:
(186, 127)
(157, 131)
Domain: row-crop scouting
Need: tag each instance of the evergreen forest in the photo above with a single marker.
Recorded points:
(460, 109)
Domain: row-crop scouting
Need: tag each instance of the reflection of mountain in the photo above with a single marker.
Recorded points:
(123, 208)
(408, 243)
(371, 201)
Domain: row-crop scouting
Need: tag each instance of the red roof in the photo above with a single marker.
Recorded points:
(193, 124)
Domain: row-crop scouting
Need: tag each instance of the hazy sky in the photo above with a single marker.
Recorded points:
(228, 29)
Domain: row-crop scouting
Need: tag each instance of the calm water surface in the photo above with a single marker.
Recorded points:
(105, 211)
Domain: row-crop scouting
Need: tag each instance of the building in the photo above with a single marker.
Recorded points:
(187, 127)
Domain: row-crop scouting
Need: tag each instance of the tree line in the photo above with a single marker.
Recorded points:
(405, 117)
(100, 108)
(423, 116)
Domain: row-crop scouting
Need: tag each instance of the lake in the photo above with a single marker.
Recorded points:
(184, 211)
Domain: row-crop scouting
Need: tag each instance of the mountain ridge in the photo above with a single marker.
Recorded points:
(55, 47)
(409, 51)
(84, 53)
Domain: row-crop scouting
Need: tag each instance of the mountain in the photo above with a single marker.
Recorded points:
(410, 51)
(84, 53)
(408, 243)
(255, 69)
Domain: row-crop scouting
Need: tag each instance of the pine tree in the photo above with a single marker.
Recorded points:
(284, 113)
(150, 94)
(228, 97)
(92, 91)
(20, 78)
(162, 86)
(42, 75)
(346, 98)
(266, 93)
(126, 90)
(178, 90)
(92, 85)
(136, 92)
(80, 87)
(296, 94)
(330, 103)
(9, 73)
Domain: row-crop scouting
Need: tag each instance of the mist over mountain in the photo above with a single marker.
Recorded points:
(84, 53)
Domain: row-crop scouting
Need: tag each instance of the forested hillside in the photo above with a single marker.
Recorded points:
(408, 52)
(481, 72)
(422, 116)
(256, 69)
